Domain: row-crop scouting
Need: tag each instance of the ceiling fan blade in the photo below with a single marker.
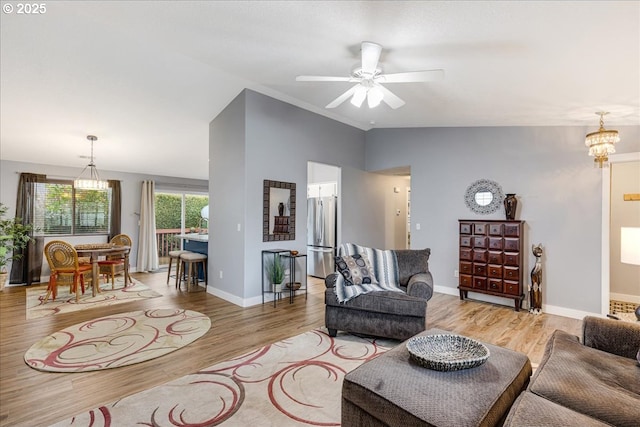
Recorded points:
(370, 56)
(390, 98)
(412, 76)
(322, 79)
(339, 100)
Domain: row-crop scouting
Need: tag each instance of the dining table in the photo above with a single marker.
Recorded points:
(97, 250)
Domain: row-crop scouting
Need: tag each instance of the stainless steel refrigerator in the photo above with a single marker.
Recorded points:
(321, 235)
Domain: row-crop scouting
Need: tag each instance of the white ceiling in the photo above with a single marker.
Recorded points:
(147, 77)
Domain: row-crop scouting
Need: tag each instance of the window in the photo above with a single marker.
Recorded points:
(61, 209)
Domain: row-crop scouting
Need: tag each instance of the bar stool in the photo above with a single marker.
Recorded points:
(193, 259)
(175, 255)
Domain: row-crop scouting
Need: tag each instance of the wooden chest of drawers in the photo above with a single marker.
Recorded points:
(491, 259)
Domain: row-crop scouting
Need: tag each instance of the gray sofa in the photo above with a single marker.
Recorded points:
(593, 383)
(397, 315)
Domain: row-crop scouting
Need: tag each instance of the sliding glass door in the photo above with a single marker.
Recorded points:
(178, 213)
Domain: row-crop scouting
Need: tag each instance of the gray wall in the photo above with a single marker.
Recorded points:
(558, 189)
(227, 200)
(131, 188)
(279, 140)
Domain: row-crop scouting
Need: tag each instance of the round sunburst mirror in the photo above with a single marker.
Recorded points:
(484, 196)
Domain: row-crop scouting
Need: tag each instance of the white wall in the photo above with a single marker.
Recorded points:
(130, 184)
(547, 167)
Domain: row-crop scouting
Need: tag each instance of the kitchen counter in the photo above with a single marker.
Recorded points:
(197, 237)
(196, 242)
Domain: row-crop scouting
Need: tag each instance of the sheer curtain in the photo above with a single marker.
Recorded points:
(147, 246)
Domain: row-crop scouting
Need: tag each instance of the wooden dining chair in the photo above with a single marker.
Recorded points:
(114, 264)
(63, 262)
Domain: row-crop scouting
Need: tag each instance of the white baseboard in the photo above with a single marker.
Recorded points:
(476, 296)
(234, 299)
(226, 296)
(242, 302)
(550, 309)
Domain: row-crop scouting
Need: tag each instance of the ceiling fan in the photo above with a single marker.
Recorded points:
(369, 79)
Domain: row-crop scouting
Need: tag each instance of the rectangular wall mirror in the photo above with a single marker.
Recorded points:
(278, 211)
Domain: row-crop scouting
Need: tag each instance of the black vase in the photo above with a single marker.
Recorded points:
(281, 208)
(510, 206)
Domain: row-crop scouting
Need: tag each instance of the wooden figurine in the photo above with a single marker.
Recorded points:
(535, 289)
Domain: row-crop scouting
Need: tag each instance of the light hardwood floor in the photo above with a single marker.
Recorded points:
(33, 398)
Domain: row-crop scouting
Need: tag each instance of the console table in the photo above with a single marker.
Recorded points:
(267, 253)
(293, 268)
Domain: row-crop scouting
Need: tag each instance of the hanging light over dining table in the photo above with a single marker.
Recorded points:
(93, 182)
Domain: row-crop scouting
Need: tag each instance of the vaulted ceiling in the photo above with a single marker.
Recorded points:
(147, 77)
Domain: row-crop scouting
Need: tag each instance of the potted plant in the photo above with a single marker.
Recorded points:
(13, 237)
(275, 272)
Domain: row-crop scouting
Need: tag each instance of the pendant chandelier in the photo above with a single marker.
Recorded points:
(93, 182)
(601, 143)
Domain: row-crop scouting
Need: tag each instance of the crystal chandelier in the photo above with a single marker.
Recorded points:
(601, 143)
(93, 182)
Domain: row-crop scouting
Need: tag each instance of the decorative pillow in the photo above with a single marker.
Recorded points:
(356, 270)
(384, 263)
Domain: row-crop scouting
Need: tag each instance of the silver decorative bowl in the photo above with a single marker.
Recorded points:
(445, 352)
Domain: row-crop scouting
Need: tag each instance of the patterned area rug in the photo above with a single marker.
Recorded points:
(295, 382)
(117, 340)
(66, 302)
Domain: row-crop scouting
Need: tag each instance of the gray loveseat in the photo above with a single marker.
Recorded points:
(389, 314)
(593, 383)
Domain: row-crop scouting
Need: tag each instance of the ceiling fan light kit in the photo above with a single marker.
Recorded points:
(374, 97)
(359, 95)
(368, 79)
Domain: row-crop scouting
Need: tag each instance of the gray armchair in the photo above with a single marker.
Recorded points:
(388, 314)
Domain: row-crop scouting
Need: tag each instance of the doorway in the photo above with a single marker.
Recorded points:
(612, 220)
(395, 201)
(323, 211)
(178, 213)
(408, 232)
